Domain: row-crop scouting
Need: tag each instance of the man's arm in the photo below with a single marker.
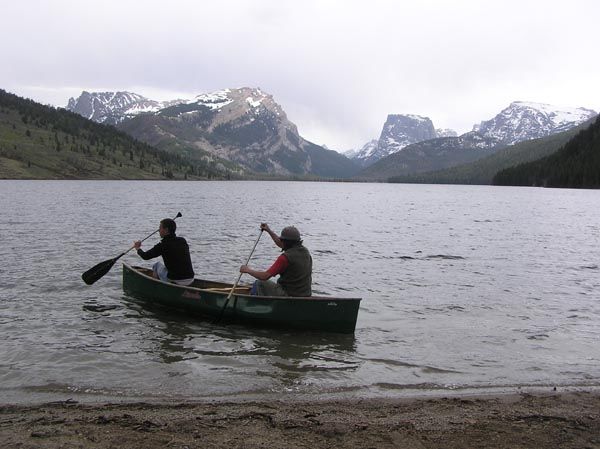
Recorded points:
(278, 267)
(151, 253)
(275, 237)
(262, 275)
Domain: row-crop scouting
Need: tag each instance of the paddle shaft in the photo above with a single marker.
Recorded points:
(99, 270)
(247, 261)
(147, 237)
(237, 280)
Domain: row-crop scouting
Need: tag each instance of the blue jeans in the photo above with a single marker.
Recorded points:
(267, 288)
(160, 271)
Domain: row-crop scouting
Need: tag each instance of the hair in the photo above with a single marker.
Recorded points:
(287, 244)
(169, 224)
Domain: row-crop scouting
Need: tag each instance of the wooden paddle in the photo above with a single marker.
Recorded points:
(99, 270)
(238, 279)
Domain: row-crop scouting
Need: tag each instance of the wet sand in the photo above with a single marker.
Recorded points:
(556, 420)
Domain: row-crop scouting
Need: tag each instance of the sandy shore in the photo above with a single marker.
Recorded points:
(558, 420)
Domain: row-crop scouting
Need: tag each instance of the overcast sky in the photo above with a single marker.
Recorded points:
(338, 68)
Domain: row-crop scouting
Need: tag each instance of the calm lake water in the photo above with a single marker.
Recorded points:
(464, 288)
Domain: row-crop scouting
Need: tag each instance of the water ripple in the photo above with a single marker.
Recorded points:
(461, 285)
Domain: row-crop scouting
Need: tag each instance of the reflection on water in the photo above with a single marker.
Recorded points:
(462, 286)
(289, 355)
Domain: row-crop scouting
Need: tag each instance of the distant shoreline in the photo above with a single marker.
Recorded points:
(202, 180)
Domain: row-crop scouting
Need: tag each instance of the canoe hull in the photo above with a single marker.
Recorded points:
(314, 313)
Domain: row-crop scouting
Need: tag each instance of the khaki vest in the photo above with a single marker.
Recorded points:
(296, 280)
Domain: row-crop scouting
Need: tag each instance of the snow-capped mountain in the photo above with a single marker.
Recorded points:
(518, 122)
(525, 121)
(399, 131)
(364, 155)
(114, 107)
(244, 126)
(431, 154)
(350, 154)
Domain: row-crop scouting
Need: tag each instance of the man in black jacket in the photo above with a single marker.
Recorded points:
(175, 252)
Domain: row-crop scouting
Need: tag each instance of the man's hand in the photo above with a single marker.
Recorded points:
(137, 244)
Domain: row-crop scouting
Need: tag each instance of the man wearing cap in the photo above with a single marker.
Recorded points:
(294, 267)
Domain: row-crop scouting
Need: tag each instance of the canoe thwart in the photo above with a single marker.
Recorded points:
(228, 289)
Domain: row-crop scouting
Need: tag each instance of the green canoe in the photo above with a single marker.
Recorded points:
(206, 298)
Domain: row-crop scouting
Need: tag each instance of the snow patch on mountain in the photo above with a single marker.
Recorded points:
(367, 151)
(559, 116)
(254, 103)
(114, 107)
(214, 100)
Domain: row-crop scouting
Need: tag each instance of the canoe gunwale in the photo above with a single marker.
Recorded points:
(241, 295)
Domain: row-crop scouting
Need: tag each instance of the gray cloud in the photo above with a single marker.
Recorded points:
(337, 67)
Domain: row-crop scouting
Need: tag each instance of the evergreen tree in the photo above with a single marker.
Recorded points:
(575, 165)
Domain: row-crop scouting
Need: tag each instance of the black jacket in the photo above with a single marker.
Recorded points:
(176, 256)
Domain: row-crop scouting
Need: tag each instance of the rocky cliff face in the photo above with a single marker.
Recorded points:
(245, 126)
(398, 132)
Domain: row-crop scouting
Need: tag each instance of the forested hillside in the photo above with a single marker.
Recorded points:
(575, 165)
(42, 142)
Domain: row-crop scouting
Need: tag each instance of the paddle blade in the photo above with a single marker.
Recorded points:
(97, 271)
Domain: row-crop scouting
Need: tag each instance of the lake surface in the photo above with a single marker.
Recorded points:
(464, 288)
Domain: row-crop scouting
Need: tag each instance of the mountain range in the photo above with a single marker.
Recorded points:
(483, 170)
(246, 132)
(520, 121)
(244, 126)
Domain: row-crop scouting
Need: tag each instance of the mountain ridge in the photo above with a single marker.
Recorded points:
(519, 122)
(245, 126)
(523, 120)
(113, 107)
